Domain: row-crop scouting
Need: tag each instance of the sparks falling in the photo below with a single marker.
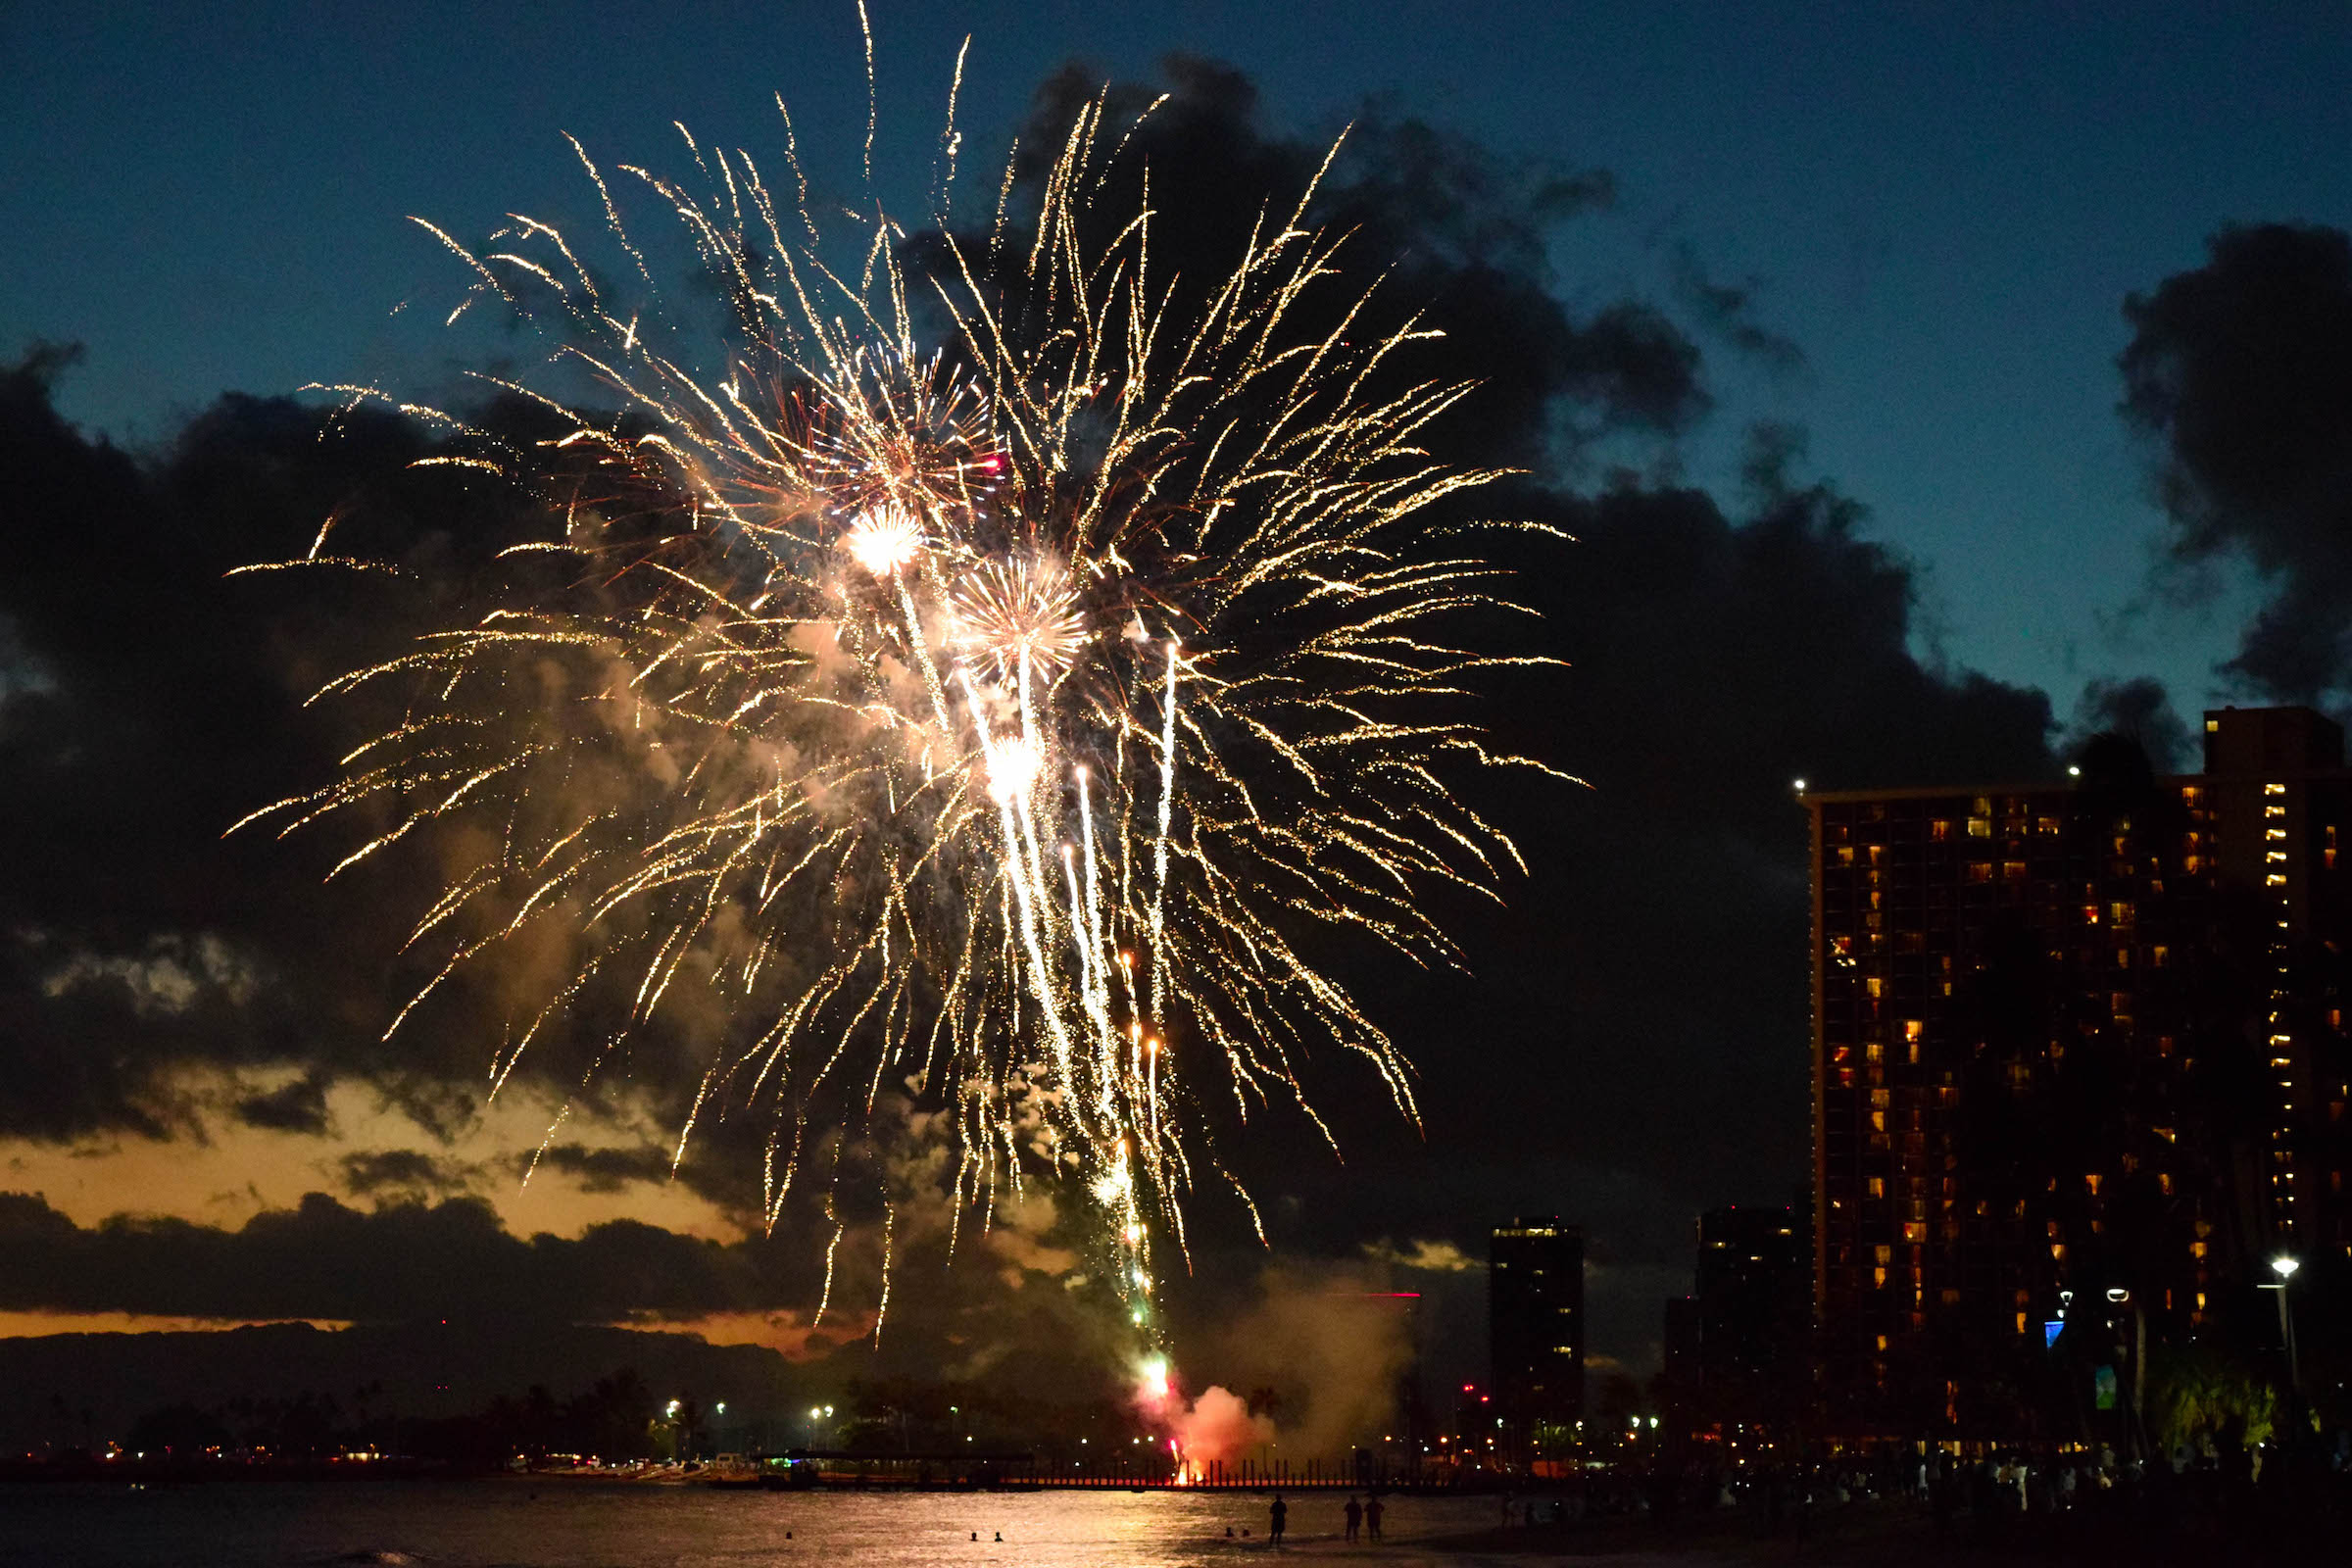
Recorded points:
(980, 719)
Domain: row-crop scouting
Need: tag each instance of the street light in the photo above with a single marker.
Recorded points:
(2285, 1266)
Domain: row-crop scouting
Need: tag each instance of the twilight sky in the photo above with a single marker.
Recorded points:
(1941, 206)
(1909, 231)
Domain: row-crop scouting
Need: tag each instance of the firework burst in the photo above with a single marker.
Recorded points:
(984, 717)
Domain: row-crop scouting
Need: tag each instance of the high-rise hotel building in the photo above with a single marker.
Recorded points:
(1536, 1327)
(2076, 1038)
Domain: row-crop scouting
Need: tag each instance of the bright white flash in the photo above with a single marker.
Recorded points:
(883, 539)
(1012, 770)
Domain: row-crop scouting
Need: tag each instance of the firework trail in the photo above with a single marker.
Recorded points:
(1002, 709)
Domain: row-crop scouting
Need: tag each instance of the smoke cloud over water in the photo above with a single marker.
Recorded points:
(1217, 1428)
(1312, 1364)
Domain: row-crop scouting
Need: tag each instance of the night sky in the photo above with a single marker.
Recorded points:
(1917, 405)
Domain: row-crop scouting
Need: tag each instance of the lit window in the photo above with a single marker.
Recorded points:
(1877, 1186)
(1913, 1028)
(1939, 830)
(1980, 827)
(2274, 880)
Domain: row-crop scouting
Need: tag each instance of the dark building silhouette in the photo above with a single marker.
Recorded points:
(1536, 1330)
(1755, 1275)
(2077, 1036)
(1737, 1364)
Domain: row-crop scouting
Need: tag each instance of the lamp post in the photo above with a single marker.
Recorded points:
(2285, 1266)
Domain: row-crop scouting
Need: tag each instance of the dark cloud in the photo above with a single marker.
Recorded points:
(405, 1173)
(400, 1262)
(134, 943)
(2243, 371)
(1448, 232)
(2138, 709)
(1728, 311)
(298, 1107)
(602, 1170)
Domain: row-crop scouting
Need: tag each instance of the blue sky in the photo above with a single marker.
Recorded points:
(1942, 205)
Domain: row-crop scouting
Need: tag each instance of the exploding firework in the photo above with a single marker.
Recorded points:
(1002, 718)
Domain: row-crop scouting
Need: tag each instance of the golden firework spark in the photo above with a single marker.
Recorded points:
(897, 701)
(1014, 614)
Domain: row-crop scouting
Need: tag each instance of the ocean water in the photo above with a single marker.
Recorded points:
(523, 1523)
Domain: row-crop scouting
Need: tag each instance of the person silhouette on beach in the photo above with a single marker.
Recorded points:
(1280, 1512)
(1355, 1516)
(1372, 1513)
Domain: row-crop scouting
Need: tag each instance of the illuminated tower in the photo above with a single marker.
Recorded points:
(2071, 1038)
(1536, 1330)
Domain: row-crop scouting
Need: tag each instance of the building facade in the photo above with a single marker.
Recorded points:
(2071, 1038)
(1536, 1330)
(1754, 1294)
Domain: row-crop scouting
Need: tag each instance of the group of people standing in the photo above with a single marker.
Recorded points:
(1363, 1518)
